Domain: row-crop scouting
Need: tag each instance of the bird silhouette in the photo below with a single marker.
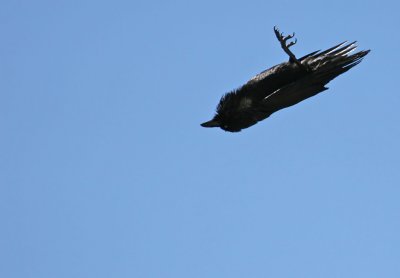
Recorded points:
(283, 85)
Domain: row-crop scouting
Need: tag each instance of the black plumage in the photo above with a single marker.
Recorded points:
(283, 85)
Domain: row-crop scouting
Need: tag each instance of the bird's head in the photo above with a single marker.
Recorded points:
(234, 113)
(223, 124)
(229, 122)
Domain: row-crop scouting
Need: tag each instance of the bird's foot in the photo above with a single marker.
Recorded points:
(285, 46)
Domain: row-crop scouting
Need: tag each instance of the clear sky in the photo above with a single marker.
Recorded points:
(106, 172)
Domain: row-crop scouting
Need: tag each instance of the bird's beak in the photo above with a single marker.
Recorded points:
(212, 123)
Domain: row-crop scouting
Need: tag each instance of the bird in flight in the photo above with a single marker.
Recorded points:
(283, 85)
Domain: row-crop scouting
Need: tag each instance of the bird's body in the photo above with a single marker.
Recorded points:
(283, 85)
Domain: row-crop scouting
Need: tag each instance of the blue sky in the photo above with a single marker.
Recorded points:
(106, 172)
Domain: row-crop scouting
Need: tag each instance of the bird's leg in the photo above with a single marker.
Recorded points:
(285, 46)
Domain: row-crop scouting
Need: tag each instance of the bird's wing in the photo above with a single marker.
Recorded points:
(293, 93)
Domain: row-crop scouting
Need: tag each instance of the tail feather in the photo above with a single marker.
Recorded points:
(342, 50)
(338, 64)
(322, 53)
(335, 61)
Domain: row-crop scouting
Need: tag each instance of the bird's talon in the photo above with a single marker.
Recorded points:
(292, 43)
(285, 46)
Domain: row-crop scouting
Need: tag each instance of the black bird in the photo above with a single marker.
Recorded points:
(283, 85)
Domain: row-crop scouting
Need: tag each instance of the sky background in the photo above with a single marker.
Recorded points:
(106, 172)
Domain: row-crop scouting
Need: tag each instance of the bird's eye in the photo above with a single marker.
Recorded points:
(225, 126)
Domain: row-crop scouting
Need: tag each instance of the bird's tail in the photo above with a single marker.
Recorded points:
(334, 61)
(324, 66)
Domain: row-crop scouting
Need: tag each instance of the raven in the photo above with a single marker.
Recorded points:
(283, 85)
